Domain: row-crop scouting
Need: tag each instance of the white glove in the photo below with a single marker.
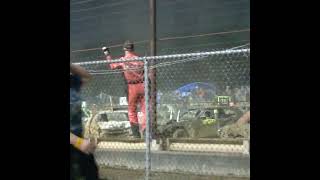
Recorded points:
(106, 50)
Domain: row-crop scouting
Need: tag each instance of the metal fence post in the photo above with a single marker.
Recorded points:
(147, 135)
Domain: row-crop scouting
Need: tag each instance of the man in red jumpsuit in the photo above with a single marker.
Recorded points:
(134, 76)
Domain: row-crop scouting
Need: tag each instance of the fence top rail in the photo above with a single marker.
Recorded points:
(210, 53)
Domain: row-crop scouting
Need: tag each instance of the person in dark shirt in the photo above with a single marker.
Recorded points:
(82, 162)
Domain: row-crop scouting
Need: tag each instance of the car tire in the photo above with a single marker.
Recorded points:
(180, 133)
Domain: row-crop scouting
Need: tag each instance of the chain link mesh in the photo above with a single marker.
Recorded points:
(195, 103)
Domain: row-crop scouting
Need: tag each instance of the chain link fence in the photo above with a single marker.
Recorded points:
(191, 111)
(164, 48)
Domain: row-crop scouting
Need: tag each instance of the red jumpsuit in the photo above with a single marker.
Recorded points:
(133, 73)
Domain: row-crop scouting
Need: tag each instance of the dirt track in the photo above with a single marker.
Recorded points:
(124, 174)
